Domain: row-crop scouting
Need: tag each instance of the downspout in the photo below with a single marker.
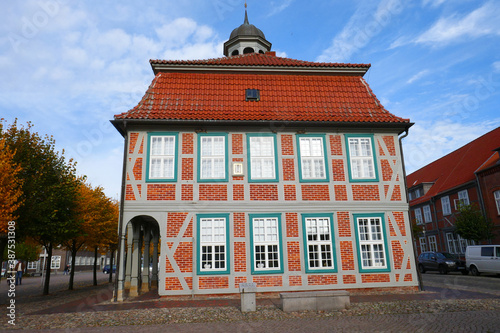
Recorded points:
(419, 276)
(120, 221)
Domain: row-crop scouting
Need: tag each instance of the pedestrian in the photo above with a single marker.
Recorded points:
(19, 268)
(66, 270)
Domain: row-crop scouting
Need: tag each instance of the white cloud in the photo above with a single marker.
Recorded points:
(366, 23)
(277, 8)
(496, 66)
(482, 21)
(418, 76)
(433, 3)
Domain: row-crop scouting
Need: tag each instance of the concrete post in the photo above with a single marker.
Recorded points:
(248, 301)
(128, 269)
(121, 272)
(134, 281)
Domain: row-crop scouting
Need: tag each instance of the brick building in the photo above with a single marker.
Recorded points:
(257, 168)
(468, 175)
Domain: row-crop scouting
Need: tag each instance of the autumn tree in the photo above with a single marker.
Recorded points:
(471, 224)
(10, 191)
(49, 190)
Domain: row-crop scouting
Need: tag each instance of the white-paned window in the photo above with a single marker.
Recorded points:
(266, 244)
(427, 214)
(162, 157)
(213, 238)
(319, 243)
(312, 159)
(418, 215)
(32, 264)
(463, 199)
(464, 243)
(212, 156)
(56, 262)
(423, 244)
(262, 158)
(371, 243)
(445, 203)
(432, 243)
(497, 201)
(452, 243)
(361, 158)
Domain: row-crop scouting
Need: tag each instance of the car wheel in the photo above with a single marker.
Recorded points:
(442, 269)
(421, 268)
(474, 271)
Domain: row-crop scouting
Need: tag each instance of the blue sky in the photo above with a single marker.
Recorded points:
(69, 66)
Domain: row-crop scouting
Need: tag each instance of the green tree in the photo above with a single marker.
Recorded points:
(471, 224)
(49, 190)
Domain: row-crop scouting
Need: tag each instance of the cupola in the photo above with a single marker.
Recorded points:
(247, 38)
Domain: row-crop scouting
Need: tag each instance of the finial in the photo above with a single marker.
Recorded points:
(245, 4)
(246, 15)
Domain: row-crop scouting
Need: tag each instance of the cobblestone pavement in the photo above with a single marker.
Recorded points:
(89, 308)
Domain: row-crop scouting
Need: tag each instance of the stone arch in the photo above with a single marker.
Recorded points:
(248, 50)
(138, 270)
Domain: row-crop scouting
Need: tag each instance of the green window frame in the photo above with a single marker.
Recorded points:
(319, 243)
(259, 157)
(357, 157)
(310, 158)
(371, 240)
(212, 249)
(210, 156)
(266, 244)
(162, 157)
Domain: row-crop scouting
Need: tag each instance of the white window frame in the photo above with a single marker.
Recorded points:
(463, 243)
(55, 262)
(212, 157)
(433, 243)
(165, 157)
(418, 215)
(262, 161)
(496, 195)
(266, 244)
(445, 205)
(362, 158)
(427, 214)
(371, 243)
(453, 246)
(213, 245)
(423, 244)
(319, 243)
(32, 264)
(463, 197)
(312, 158)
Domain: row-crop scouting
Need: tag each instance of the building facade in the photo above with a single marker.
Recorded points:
(468, 175)
(255, 168)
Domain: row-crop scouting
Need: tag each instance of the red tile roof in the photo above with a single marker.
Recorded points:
(456, 168)
(194, 94)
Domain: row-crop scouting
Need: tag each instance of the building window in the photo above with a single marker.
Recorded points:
(423, 244)
(262, 158)
(432, 243)
(445, 203)
(56, 262)
(372, 247)
(453, 245)
(362, 165)
(418, 216)
(162, 157)
(427, 214)
(464, 243)
(497, 201)
(266, 244)
(32, 264)
(312, 152)
(212, 160)
(318, 240)
(213, 233)
(463, 199)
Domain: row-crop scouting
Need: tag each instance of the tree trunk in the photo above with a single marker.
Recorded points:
(47, 274)
(111, 266)
(3, 244)
(95, 266)
(72, 271)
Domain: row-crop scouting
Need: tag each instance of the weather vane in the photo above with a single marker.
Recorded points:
(245, 4)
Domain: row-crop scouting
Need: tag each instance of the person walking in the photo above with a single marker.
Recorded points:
(19, 268)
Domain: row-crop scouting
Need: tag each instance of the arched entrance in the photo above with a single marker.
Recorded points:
(138, 270)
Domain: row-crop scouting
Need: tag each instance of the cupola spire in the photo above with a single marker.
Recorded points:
(247, 38)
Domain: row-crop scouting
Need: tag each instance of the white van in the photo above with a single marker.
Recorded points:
(483, 259)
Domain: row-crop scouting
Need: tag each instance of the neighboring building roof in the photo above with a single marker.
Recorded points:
(211, 90)
(457, 168)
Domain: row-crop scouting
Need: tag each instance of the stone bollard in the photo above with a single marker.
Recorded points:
(247, 291)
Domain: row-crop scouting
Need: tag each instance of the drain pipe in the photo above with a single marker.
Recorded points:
(419, 275)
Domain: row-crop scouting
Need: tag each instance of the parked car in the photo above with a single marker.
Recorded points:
(106, 269)
(443, 262)
(483, 259)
